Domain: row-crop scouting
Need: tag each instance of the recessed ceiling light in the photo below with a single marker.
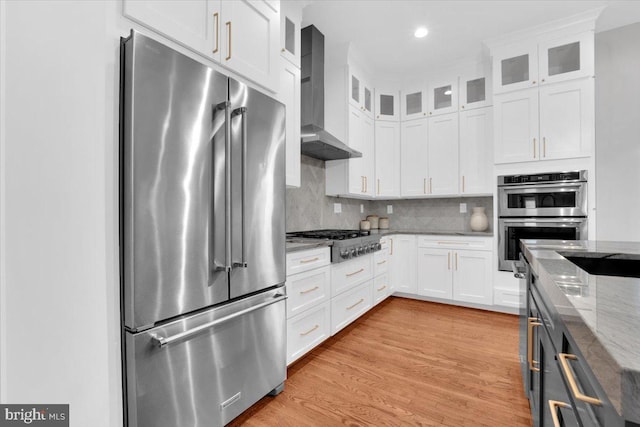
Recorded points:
(421, 32)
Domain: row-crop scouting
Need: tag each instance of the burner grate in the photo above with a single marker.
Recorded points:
(329, 234)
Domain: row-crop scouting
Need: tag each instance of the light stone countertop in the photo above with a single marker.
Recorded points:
(602, 314)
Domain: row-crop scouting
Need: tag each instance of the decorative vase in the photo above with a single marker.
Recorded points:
(479, 221)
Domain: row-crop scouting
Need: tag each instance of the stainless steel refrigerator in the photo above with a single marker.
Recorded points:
(202, 172)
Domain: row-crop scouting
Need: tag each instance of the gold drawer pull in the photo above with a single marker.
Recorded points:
(564, 362)
(532, 322)
(382, 262)
(380, 289)
(309, 290)
(229, 43)
(302, 334)
(359, 302)
(355, 272)
(445, 242)
(306, 261)
(553, 404)
(216, 17)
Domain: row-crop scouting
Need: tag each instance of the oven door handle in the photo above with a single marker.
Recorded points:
(535, 187)
(559, 221)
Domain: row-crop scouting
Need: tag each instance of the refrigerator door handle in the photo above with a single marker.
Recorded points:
(242, 112)
(227, 187)
(165, 341)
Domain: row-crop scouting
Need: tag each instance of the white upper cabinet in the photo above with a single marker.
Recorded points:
(413, 104)
(549, 60)
(413, 158)
(516, 126)
(566, 58)
(387, 105)
(443, 97)
(290, 19)
(476, 146)
(387, 159)
(289, 94)
(515, 67)
(443, 154)
(360, 91)
(240, 34)
(566, 120)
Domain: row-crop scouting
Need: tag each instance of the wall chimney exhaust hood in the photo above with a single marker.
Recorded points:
(315, 141)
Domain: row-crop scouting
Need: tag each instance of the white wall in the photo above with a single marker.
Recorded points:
(618, 133)
(59, 336)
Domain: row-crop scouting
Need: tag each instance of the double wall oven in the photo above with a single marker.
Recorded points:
(540, 206)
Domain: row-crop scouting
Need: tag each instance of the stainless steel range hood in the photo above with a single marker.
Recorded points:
(315, 141)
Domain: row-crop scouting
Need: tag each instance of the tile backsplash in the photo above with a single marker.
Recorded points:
(308, 207)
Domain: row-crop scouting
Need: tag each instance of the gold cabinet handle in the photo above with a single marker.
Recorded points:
(447, 242)
(534, 148)
(302, 334)
(362, 183)
(448, 260)
(229, 43)
(216, 31)
(309, 290)
(463, 183)
(456, 256)
(391, 240)
(532, 322)
(366, 184)
(430, 185)
(382, 262)
(553, 405)
(544, 146)
(424, 186)
(306, 261)
(378, 185)
(382, 288)
(564, 362)
(355, 272)
(359, 302)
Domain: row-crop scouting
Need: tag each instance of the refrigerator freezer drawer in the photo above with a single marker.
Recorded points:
(187, 374)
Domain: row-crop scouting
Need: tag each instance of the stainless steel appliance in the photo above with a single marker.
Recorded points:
(346, 244)
(540, 206)
(202, 166)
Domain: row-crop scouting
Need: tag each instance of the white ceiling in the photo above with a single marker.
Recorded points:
(382, 31)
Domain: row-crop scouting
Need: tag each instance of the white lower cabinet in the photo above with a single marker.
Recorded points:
(307, 330)
(381, 289)
(350, 305)
(349, 273)
(448, 268)
(308, 289)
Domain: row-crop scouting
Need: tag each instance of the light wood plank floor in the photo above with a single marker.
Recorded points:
(406, 362)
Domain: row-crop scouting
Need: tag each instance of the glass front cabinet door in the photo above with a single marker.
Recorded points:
(413, 104)
(387, 105)
(566, 58)
(515, 68)
(475, 91)
(443, 97)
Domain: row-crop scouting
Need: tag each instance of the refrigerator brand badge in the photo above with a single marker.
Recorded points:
(34, 415)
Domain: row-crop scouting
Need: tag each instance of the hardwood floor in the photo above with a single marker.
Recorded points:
(406, 362)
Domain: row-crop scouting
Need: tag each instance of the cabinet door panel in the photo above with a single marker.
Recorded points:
(434, 273)
(187, 22)
(567, 58)
(290, 18)
(290, 95)
(402, 268)
(476, 132)
(250, 34)
(413, 158)
(413, 104)
(356, 141)
(443, 154)
(387, 105)
(368, 154)
(566, 119)
(443, 97)
(515, 68)
(472, 277)
(516, 126)
(387, 158)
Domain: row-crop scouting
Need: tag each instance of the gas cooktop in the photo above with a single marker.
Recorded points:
(346, 244)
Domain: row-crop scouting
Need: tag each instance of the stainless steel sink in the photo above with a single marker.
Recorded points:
(606, 264)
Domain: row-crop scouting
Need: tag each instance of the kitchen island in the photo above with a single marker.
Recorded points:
(599, 313)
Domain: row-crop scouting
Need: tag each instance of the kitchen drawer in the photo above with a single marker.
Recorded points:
(384, 242)
(300, 261)
(380, 288)
(349, 306)
(308, 329)
(380, 263)
(308, 289)
(456, 242)
(346, 275)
